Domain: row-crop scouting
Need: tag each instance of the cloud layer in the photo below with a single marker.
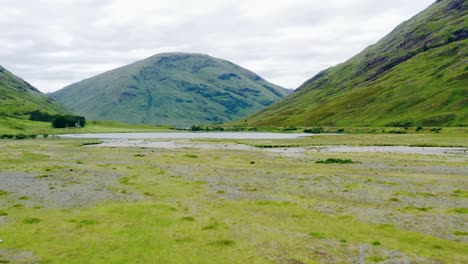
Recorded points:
(53, 43)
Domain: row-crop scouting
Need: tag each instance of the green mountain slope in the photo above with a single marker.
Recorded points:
(172, 88)
(18, 98)
(418, 73)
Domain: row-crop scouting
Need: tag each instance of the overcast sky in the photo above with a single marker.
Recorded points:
(53, 43)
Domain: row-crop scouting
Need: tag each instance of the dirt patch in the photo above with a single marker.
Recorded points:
(56, 191)
(293, 152)
(15, 256)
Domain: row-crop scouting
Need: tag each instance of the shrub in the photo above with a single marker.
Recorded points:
(315, 130)
(397, 132)
(404, 124)
(196, 128)
(290, 128)
(7, 136)
(20, 136)
(91, 143)
(317, 234)
(222, 242)
(419, 128)
(334, 160)
(31, 220)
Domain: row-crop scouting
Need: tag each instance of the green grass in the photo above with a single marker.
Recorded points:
(449, 137)
(10, 125)
(187, 219)
(19, 97)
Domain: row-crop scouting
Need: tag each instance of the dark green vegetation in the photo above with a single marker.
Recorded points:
(9, 125)
(18, 98)
(172, 88)
(335, 160)
(58, 121)
(416, 75)
(64, 201)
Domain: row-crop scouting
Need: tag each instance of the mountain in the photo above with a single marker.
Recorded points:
(18, 98)
(172, 88)
(417, 74)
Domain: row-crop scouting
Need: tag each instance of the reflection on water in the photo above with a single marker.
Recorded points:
(190, 135)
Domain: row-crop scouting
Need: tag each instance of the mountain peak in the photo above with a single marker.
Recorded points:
(172, 88)
(19, 97)
(416, 74)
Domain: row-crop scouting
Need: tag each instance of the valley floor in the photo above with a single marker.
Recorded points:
(218, 201)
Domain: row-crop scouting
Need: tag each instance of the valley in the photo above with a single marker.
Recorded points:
(64, 200)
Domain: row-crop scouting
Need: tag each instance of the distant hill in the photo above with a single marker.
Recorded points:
(18, 98)
(417, 74)
(172, 88)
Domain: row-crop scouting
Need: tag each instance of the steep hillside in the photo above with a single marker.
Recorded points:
(172, 88)
(417, 74)
(17, 97)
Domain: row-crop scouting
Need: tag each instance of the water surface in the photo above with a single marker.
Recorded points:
(190, 135)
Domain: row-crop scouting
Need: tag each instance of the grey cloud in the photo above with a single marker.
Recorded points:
(52, 43)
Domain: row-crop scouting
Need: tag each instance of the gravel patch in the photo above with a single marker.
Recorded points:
(16, 256)
(296, 151)
(55, 191)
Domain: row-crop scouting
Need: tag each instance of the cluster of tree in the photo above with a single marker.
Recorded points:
(58, 121)
(200, 128)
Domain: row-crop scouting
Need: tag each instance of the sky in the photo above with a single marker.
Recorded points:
(54, 43)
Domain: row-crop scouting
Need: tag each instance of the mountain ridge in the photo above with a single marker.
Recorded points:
(18, 97)
(171, 88)
(367, 89)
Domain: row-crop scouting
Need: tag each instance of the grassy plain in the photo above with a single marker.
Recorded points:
(10, 125)
(62, 201)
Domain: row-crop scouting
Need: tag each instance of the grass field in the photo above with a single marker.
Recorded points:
(63, 201)
(10, 125)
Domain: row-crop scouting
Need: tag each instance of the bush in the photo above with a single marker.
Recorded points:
(290, 128)
(31, 220)
(196, 128)
(334, 160)
(7, 136)
(397, 132)
(315, 130)
(20, 136)
(404, 124)
(62, 121)
(419, 128)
